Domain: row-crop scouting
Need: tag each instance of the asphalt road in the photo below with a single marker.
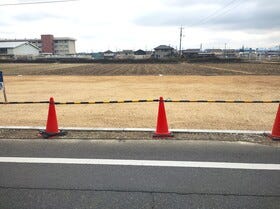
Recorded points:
(80, 185)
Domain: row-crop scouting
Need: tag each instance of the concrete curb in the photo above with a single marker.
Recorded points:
(140, 130)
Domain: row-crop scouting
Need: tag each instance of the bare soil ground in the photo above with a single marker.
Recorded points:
(207, 69)
(248, 68)
(183, 115)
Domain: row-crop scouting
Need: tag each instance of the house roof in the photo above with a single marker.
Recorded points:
(140, 52)
(108, 52)
(64, 38)
(191, 51)
(163, 47)
(11, 44)
(214, 50)
(127, 51)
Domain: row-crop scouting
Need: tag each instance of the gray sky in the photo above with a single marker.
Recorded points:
(99, 25)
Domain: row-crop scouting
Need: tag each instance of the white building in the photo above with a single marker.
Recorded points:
(64, 45)
(48, 44)
(18, 49)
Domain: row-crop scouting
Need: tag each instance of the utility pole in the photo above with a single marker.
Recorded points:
(225, 54)
(180, 46)
(279, 52)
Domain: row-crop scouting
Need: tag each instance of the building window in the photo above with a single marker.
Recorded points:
(3, 51)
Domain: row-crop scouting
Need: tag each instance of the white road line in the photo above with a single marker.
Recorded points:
(153, 163)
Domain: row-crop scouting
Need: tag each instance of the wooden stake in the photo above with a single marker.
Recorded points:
(4, 93)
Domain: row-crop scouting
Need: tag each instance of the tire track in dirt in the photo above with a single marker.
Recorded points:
(224, 69)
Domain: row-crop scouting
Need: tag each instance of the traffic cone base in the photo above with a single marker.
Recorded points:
(275, 138)
(47, 135)
(162, 126)
(275, 134)
(163, 135)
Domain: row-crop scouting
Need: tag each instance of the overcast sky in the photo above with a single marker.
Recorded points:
(99, 25)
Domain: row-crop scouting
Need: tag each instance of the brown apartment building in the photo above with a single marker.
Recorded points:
(48, 44)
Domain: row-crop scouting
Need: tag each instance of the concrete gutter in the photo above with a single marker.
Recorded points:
(139, 130)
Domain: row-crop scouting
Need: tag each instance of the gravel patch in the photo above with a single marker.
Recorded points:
(136, 135)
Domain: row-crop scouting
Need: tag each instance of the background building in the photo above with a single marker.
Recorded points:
(125, 54)
(141, 54)
(109, 55)
(163, 51)
(15, 49)
(48, 44)
(189, 53)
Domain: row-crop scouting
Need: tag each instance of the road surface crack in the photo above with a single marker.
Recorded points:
(140, 191)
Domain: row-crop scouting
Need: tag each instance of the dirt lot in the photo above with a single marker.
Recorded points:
(187, 116)
(208, 69)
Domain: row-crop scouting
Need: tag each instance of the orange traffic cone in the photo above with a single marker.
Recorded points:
(162, 126)
(52, 126)
(275, 135)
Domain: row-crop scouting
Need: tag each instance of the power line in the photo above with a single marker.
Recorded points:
(216, 11)
(229, 10)
(221, 11)
(36, 2)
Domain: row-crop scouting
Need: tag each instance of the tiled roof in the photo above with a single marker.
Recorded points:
(163, 47)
